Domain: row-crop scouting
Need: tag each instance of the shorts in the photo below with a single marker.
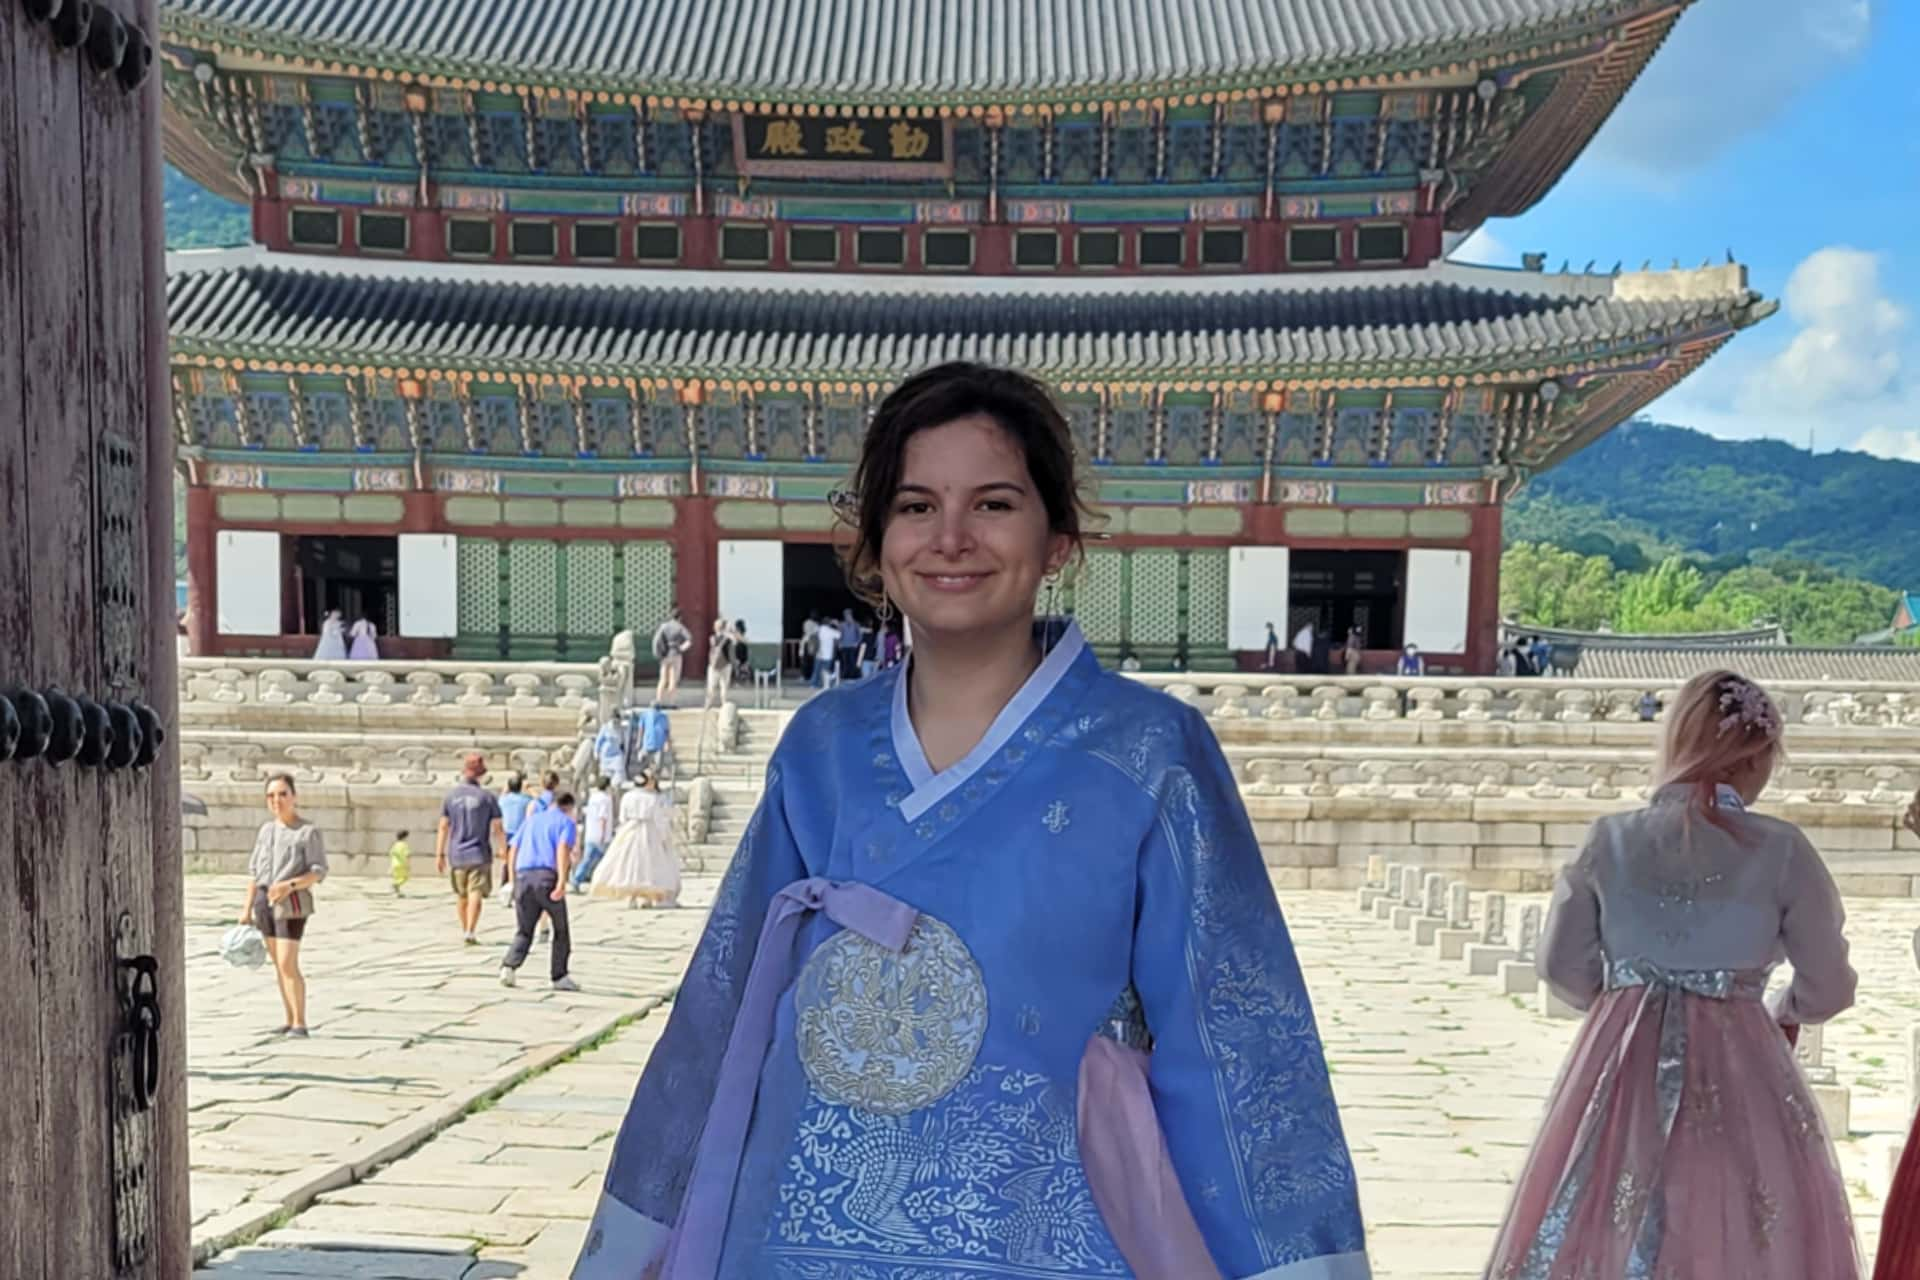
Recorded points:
(469, 882)
(263, 920)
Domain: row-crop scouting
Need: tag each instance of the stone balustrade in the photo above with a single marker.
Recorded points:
(273, 682)
(362, 760)
(1425, 700)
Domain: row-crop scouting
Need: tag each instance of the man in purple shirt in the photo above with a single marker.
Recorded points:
(540, 862)
(470, 832)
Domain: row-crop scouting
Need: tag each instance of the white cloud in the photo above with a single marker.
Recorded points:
(1848, 349)
(1833, 371)
(1730, 69)
(1485, 248)
(1886, 442)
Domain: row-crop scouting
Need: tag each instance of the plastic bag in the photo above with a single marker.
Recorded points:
(243, 947)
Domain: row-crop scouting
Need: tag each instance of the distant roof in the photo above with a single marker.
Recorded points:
(1762, 663)
(1453, 320)
(904, 50)
(1776, 636)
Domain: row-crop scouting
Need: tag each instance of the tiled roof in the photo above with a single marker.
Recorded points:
(1885, 666)
(1774, 636)
(909, 50)
(262, 312)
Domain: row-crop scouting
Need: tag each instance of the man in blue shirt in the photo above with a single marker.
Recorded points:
(655, 734)
(540, 863)
(514, 803)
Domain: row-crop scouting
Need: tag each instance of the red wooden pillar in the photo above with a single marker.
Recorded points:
(696, 572)
(1483, 590)
(203, 593)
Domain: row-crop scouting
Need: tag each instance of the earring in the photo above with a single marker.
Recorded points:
(1053, 595)
(884, 610)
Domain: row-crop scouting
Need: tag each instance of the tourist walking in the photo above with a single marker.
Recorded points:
(599, 832)
(1356, 650)
(333, 639)
(289, 858)
(540, 867)
(1681, 1132)
(400, 862)
(826, 655)
(809, 646)
(515, 803)
(967, 1087)
(610, 750)
(472, 833)
(366, 646)
(641, 866)
(1303, 648)
(671, 640)
(656, 739)
(719, 663)
(1899, 1254)
(851, 637)
(1271, 658)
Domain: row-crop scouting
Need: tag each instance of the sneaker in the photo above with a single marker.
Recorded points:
(472, 941)
(507, 977)
(298, 1033)
(565, 984)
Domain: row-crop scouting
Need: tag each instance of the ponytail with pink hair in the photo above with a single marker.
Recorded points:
(1720, 725)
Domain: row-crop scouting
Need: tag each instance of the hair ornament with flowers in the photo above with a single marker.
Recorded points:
(1746, 707)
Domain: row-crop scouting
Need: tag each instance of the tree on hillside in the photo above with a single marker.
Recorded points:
(1665, 600)
(1817, 607)
(1554, 588)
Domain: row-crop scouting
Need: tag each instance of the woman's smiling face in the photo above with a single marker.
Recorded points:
(967, 542)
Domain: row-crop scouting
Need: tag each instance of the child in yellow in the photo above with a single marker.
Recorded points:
(398, 858)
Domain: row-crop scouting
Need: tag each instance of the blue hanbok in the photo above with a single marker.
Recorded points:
(885, 1062)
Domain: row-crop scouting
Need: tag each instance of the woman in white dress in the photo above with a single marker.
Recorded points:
(364, 647)
(641, 865)
(333, 639)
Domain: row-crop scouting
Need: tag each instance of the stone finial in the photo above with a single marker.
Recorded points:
(1428, 703)
(1476, 705)
(426, 688)
(1410, 878)
(478, 686)
(1459, 908)
(1381, 703)
(1229, 702)
(1529, 941)
(526, 689)
(1376, 772)
(1376, 869)
(376, 683)
(227, 685)
(277, 686)
(1326, 701)
(1391, 883)
(1811, 1051)
(326, 684)
(1434, 896)
(1279, 699)
(1493, 919)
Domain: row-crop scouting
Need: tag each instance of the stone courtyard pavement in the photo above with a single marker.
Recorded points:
(1440, 1080)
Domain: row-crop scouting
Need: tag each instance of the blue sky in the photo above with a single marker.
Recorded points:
(1789, 132)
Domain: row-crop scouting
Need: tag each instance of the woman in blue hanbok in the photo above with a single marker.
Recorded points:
(996, 985)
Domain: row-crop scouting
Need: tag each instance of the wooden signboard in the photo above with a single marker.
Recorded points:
(797, 146)
(93, 1136)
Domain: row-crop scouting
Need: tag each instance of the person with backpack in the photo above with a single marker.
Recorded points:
(670, 644)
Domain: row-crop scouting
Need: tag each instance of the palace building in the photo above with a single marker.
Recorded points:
(563, 312)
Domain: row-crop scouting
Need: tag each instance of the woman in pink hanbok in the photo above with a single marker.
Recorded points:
(1681, 1141)
(366, 646)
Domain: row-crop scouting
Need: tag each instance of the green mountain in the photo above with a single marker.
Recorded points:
(1646, 491)
(198, 219)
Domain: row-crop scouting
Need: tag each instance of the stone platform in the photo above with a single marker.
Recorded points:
(1440, 1077)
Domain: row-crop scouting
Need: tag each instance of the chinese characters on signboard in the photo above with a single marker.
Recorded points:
(784, 144)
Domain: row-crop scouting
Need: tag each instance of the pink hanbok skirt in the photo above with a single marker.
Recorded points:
(1681, 1141)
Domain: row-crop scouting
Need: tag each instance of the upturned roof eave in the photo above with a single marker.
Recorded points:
(1441, 61)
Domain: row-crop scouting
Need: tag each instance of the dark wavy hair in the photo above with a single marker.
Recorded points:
(1022, 407)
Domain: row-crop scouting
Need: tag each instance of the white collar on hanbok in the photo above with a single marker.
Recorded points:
(929, 788)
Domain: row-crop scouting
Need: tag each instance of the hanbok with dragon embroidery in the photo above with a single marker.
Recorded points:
(954, 1085)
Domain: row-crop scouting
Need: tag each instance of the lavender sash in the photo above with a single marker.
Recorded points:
(694, 1253)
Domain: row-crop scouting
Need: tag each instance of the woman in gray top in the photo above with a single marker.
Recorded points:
(288, 860)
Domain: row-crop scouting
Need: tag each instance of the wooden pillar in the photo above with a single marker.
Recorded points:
(696, 586)
(92, 1183)
(1483, 590)
(203, 592)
